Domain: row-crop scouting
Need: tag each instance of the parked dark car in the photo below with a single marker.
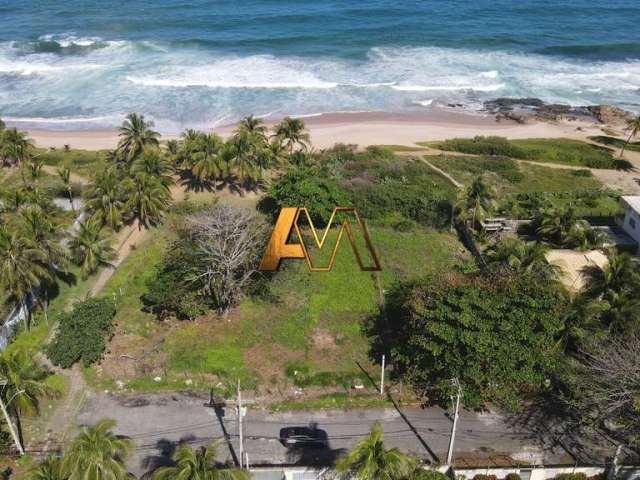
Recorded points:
(303, 437)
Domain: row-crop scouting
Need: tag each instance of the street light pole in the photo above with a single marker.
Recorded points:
(240, 434)
(452, 439)
(16, 440)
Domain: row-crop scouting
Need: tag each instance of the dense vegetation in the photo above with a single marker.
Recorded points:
(81, 334)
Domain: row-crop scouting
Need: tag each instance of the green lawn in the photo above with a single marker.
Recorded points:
(616, 142)
(83, 162)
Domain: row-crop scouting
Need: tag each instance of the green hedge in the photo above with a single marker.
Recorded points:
(81, 333)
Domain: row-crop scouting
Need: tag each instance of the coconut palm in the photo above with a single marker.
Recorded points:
(476, 201)
(151, 162)
(199, 464)
(633, 127)
(105, 199)
(148, 199)
(206, 157)
(253, 124)
(24, 387)
(64, 174)
(521, 256)
(15, 146)
(370, 460)
(89, 248)
(292, 133)
(97, 453)
(23, 267)
(51, 468)
(620, 274)
(135, 134)
(557, 224)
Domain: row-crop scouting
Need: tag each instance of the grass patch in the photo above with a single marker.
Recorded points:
(553, 150)
(83, 162)
(616, 142)
(400, 148)
(334, 400)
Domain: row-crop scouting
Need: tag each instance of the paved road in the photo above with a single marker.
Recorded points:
(157, 422)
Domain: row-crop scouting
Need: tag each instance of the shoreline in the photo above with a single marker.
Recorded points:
(361, 128)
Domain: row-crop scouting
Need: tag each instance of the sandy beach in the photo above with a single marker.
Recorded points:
(370, 128)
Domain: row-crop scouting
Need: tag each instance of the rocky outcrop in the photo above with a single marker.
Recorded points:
(526, 110)
(609, 114)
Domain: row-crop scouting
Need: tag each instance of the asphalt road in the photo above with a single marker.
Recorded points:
(157, 422)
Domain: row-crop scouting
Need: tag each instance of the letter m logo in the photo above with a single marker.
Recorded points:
(288, 223)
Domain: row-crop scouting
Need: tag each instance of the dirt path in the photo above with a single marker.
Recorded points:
(431, 151)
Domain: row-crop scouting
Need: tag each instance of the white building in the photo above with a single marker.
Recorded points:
(630, 221)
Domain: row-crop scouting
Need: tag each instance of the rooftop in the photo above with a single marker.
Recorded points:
(633, 201)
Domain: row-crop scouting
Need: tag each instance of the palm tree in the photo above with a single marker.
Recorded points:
(89, 249)
(633, 127)
(24, 385)
(206, 157)
(97, 453)
(478, 199)
(105, 199)
(521, 256)
(136, 134)
(23, 267)
(618, 275)
(15, 146)
(65, 175)
(150, 162)
(148, 199)
(292, 133)
(198, 464)
(2, 125)
(51, 468)
(253, 124)
(370, 460)
(557, 224)
(46, 237)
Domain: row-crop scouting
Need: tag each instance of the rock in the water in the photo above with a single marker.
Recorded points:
(609, 114)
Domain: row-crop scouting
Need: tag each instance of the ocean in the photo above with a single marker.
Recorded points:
(82, 64)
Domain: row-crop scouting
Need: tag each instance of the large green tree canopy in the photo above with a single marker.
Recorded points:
(497, 334)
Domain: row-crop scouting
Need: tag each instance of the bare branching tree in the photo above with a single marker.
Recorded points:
(229, 241)
(609, 381)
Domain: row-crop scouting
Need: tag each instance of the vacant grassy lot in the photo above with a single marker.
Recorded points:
(82, 162)
(552, 150)
(296, 321)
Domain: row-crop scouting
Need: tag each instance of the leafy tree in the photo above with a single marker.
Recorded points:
(497, 334)
(97, 453)
(370, 460)
(89, 248)
(15, 146)
(23, 267)
(106, 199)
(198, 464)
(135, 134)
(24, 387)
(51, 468)
(81, 333)
(292, 133)
(306, 187)
(633, 127)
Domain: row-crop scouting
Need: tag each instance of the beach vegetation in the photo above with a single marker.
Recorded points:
(90, 247)
(136, 134)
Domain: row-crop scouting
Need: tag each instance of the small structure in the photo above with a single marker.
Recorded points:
(498, 224)
(630, 218)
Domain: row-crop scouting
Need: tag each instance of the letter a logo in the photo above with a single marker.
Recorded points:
(279, 247)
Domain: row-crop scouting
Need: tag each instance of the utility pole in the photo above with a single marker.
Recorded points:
(240, 435)
(382, 376)
(452, 439)
(7, 418)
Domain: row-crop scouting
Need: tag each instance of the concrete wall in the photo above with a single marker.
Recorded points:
(631, 217)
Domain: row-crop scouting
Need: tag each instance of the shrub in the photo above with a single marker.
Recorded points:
(481, 476)
(81, 333)
(512, 476)
(305, 187)
(571, 476)
(582, 173)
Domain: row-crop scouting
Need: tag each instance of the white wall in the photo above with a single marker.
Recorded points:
(629, 217)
